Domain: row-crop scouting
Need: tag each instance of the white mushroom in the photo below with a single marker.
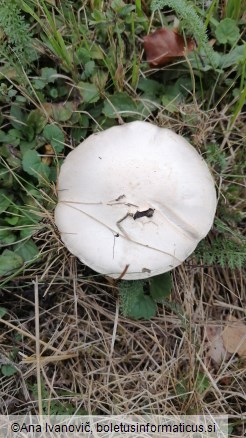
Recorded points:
(134, 199)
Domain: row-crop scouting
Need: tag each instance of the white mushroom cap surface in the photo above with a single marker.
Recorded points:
(134, 198)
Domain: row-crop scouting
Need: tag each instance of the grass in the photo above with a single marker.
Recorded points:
(108, 364)
(64, 345)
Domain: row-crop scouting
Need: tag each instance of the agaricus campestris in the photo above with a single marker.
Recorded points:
(134, 199)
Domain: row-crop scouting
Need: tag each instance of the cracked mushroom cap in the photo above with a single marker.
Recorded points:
(136, 199)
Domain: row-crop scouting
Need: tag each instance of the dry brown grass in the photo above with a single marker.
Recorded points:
(111, 365)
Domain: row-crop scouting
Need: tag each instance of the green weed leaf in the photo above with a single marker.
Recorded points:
(47, 74)
(27, 250)
(182, 390)
(160, 286)
(119, 103)
(202, 383)
(143, 307)
(27, 145)
(56, 137)
(227, 32)
(12, 216)
(61, 112)
(88, 69)
(12, 136)
(6, 178)
(3, 312)
(150, 87)
(234, 57)
(33, 165)
(6, 237)
(5, 200)
(9, 262)
(89, 92)
(17, 117)
(8, 370)
(39, 84)
(36, 120)
(134, 302)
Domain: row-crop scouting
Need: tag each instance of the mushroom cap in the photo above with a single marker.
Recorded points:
(134, 198)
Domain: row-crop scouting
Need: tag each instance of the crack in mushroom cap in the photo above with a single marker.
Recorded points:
(135, 167)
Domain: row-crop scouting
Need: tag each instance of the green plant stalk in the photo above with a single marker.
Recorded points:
(242, 98)
(73, 25)
(109, 65)
(57, 41)
(139, 8)
(20, 270)
(238, 109)
(233, 9)
(135, 65)
(54, 36)
(209, 13)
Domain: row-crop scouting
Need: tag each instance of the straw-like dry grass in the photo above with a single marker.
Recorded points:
(91, 357)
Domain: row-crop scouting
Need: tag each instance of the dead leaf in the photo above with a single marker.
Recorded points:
(234, 336)
(225, 380)
(48, 150)
(165, 44)
(216, 350)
